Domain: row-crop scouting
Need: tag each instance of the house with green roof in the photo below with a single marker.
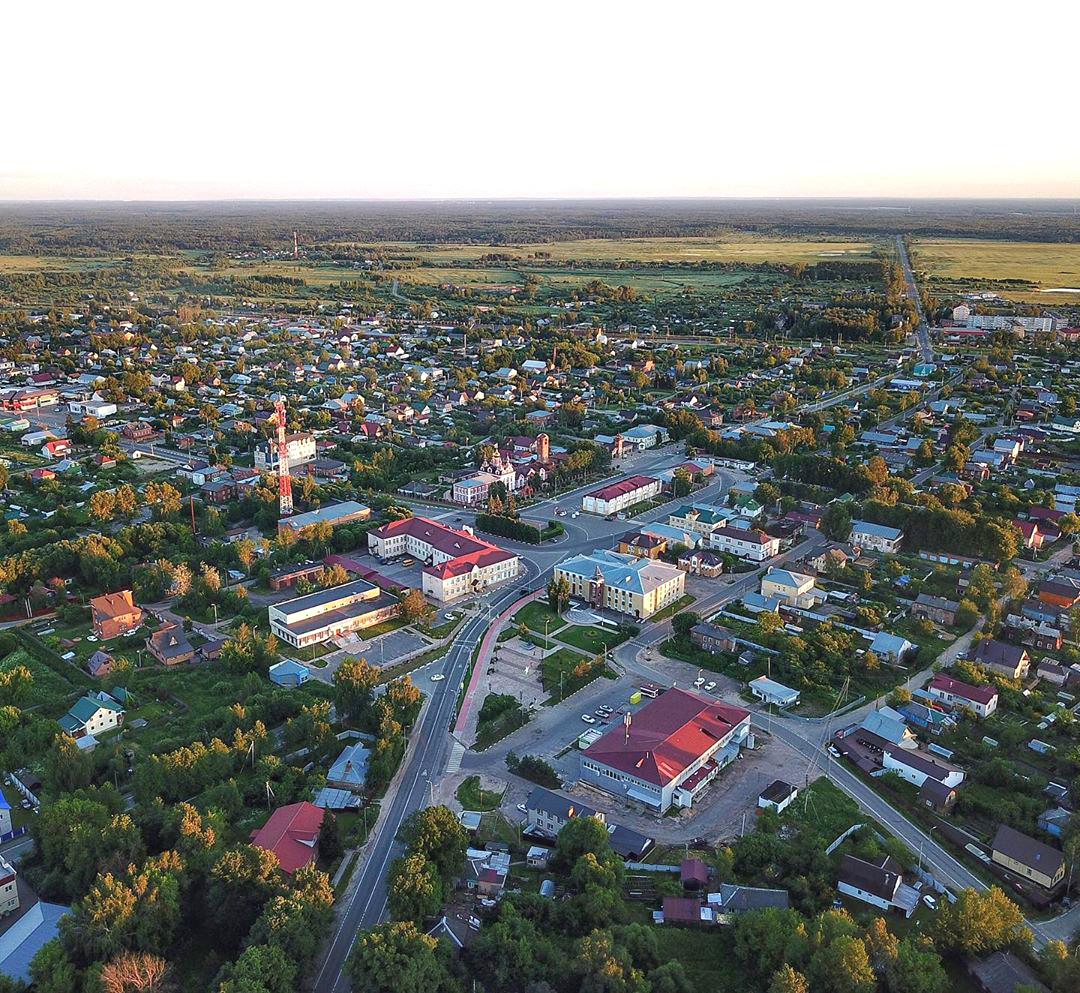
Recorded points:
(92, 715)
(699, 518)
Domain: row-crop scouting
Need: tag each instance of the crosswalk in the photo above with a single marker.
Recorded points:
(453, 764)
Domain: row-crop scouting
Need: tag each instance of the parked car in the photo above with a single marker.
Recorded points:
(588, 718)
(929, 901)
(699, 682)
(710, 686)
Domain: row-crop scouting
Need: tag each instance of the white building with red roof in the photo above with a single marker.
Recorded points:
(615, 497)
(456, 561)
(981, 700)
(668, 752)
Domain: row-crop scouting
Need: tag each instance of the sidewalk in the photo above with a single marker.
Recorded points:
(486, 645)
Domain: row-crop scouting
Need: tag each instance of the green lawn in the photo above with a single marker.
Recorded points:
(564, 672)
(534, 615)
(472, 797)
(590, 639)
(673, 608)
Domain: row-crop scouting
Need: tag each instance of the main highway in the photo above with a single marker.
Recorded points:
(926, 347)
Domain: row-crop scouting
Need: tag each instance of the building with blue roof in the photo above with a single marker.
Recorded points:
(5, 815)
(289, 673)
(876, 537)
(622, 583)
(349, 771)
(24, 937)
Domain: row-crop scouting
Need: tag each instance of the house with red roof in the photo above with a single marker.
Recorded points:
(1031, 536)
(292, 834)
(456, 561)
(618, 496)
(668, 752)
(981, 700)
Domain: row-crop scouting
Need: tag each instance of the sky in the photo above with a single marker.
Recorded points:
(236, 99)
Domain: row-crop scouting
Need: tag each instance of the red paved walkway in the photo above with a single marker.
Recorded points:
(485, 652)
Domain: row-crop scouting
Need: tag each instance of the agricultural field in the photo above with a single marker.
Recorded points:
(1032, 272)
(750, 249)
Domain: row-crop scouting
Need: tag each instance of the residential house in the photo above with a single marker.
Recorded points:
(547, 812)
(92, 715)
(1025, 857)
(712, 638)
(980, 700)
(876, 537)
(702, 562)
(113, 614)
(745, 543)
(792, 588)
(878, 883)
(935, 608)
(1007, 660)
(292, 834)
(169, 645)
(640, 545)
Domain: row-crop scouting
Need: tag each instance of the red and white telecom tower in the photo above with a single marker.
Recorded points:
(284, 479)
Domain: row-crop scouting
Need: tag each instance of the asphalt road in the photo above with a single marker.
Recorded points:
(926, 347)
(429, 749)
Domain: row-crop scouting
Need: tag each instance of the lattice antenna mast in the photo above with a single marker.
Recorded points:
(285, 504)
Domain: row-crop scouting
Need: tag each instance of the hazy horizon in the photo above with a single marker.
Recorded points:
(572, 101)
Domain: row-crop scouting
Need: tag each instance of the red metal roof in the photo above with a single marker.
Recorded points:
(980, 694)
(666, 736)
(627, 485)
(292, 834)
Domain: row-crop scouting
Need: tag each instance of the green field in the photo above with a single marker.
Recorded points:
(970, 263)
(49, 689)
(733, 247)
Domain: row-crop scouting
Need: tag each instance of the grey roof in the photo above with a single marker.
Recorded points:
(1002, 972)
(322, 597)
(1027, 851)
(736, 899)
(558, 806)
(331, 513)
(882, 880)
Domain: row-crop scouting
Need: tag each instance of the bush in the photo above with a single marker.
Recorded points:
(508, 527)
(535, 770)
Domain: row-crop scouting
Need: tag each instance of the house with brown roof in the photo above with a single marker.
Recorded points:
(169, 645)
(114, 613)
(1027, 858)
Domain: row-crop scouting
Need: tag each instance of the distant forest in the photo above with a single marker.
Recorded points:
(79, 228)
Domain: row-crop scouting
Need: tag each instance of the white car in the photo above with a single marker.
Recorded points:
(439, 675)
(575, 513)
(91, 637)
(521, 807)
(588, 718)
(929, 901)
(710, 686)
(699, 682)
